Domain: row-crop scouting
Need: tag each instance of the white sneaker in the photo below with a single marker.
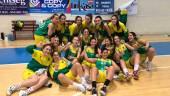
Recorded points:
(23, 93)
(81, 87)
(88, 86)
(149, 66)
(11, 89)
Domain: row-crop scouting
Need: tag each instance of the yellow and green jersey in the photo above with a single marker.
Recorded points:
(101, 64)
(122, 49)
(75, 30)
(90, 52)
(38, 60)
(42, 30)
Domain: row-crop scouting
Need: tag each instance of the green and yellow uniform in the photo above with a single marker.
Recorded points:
(91, 26)
(75, 29)
(121, 32)
(85, 41)
(126, 54)
(123, 16)
(110, 50)
(101, 33)
(90, 54)
(41, 32)
(101, 65)
(37, 62)
(63, 68)
(72, 52)
(140, 49)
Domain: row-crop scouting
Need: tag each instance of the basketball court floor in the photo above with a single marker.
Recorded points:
(13, 60)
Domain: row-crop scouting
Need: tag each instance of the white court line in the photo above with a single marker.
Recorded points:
(162, 55)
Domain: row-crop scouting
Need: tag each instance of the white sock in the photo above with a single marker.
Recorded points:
(75, 84)
(83, 80)
(136, 67)
(125, 70)
(29, 90)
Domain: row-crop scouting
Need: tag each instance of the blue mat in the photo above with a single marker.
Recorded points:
(14, 55)
(162, 48)
(20, 55)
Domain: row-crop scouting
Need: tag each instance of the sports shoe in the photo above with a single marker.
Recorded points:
(121, 76)
(81, 87)
(103, 91)
(23, 93)
(135, 75)
(128, 77)
(88, 86)
(94, 92)
(148, 66)
(11, 89)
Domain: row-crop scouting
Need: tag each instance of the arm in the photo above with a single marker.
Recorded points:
(92, 60)
(79, 52)
(129, 47)
(145, 43)
(107, 29)
(30, 48)
(50, 29)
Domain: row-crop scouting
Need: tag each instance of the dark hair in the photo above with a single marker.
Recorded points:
(103, 49)
(117, 23)
(55, 14)
(48, 44)
(96, 47)
(85, 28)
(102, 23)
(90, 16)
(62, 14)
(77, 18)
(134, 35)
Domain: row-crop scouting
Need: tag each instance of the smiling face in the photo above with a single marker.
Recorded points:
(56, 56)
(97, 21)
(130, 37)
(79, 21)
(87, 19)
(55, 41)
(116, 40)
(107, 42)
(46, 50)
(63, 19)
(105, 54)
(86, 32)
(75, 41)
(93, 43)
(55, 19)
(114, 20)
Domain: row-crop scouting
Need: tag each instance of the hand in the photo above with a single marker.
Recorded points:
(41, 71)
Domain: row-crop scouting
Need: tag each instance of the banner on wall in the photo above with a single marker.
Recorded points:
(104, 6)
(82, 7)
(13, 7)
(49, 6)
(131, 6)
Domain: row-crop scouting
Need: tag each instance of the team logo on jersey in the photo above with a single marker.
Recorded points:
(34, 3)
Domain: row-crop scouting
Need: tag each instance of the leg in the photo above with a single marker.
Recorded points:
(136, 60)
(26, 83)
(151, 54)
(94, 77)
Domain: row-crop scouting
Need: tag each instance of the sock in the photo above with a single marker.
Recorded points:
(93, 84)
(83, 80)
(125, 70)
(29, 90)
(106, 83)
(75, 84)
(18, 86)
(136, 67)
